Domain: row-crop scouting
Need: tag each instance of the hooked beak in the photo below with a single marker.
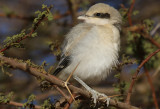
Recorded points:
(83, 17)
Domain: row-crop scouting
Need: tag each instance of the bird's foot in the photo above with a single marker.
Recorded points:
(96, 95)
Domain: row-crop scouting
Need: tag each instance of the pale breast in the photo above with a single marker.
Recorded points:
(96, 53)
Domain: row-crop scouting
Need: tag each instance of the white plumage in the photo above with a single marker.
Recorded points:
(93, 46)
(94, 43)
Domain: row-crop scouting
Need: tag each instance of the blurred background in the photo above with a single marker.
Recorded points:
(16, 15)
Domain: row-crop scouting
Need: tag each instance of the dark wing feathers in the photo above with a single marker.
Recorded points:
(64, 62)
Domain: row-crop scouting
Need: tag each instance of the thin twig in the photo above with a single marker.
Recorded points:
(130, 12)
(155, 29)
(16, 16)
(29, 34)
(142, 31)
(136, 74)
(148, 37)
(112, 96)
(61, 92)
(134, 28)
(70, 102)
(152, 88)
(55, 17)
(13, 103)
(37, 73)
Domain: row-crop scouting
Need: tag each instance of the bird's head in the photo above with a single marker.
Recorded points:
(102, 14)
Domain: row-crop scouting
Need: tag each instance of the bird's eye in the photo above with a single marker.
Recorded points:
(102, 15)
(97, 14)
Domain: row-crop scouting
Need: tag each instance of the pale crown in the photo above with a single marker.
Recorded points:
(102, 14)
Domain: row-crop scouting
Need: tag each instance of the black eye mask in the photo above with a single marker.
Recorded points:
(102, 15)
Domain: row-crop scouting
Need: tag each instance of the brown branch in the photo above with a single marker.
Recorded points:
(16, 16)
(136, 74)
(152, 88)
(139, 27)
(130, 12)
(13, 103)
(35, 72)
(148, 37)
(55, 17)
(58, 104)
(141, 30)
(72, 5)
(29, 34)
(70, 102)
(134, 28)
(61, 92)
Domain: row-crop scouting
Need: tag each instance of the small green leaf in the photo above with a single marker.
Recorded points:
(29, 102)
(44, 6)
(117, 75)
(50, 16)
(38, 12)
(34, 34)
(135, 12)
(47, 104)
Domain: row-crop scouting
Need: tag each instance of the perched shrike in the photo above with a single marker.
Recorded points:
(92, 45)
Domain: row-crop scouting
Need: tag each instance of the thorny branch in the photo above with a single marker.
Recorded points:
(35, 72)
(30, 33)
(139, 27)
(61, 92)
(136, 74)
(152, 88)
(70, 102)
(142, 31)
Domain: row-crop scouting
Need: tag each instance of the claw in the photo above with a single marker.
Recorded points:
(108, 99)
(96, 95)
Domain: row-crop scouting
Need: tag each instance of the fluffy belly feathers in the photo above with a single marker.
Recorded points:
(95, 56)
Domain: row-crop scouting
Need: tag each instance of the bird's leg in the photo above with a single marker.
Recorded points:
(94, 93)
(66, 82)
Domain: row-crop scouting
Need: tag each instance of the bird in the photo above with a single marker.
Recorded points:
(91, 47)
